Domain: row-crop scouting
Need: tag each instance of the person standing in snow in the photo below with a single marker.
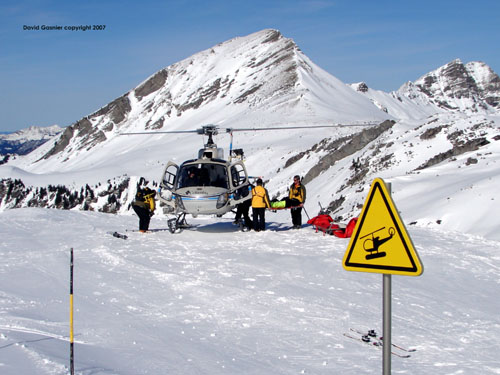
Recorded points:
(260, 201)
(242, 210)
(297, 197)
(144, 207)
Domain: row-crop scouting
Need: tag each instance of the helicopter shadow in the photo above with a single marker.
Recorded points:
(219, 227)
(278, 227)
(229, 227)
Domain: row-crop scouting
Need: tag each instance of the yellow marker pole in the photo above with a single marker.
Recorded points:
(71, 349)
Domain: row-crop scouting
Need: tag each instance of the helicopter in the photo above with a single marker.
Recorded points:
(208, 184)
(372, 244)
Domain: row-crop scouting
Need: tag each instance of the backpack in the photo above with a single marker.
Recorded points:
(147, 196)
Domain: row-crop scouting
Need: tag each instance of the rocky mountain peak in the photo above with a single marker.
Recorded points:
(243, 71)
(455, 86)
(262, 74)
(361, 87)
(487, 81)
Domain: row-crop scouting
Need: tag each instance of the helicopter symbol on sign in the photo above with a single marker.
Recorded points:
(368, 243)
(373, 243)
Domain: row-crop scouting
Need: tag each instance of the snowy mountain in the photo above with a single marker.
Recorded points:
(442, 127)
(257, 80)
(471, 88)
(26, 140)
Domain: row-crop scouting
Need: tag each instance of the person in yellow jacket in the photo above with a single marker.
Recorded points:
(297, 197)
(260, 201)
(144, 206)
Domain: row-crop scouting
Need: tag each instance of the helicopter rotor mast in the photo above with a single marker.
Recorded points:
(210, 131)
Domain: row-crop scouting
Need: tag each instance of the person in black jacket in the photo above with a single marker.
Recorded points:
(144, 207)
(242, 209)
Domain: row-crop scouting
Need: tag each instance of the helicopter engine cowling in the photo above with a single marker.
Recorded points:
(166, 195)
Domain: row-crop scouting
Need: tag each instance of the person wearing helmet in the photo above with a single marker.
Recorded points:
(297, 197)
(260, 201)
(144, 206)
(192, 178)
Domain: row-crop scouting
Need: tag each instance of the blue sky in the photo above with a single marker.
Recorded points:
(57, 77)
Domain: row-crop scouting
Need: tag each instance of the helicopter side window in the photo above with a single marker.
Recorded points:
(168, 179)
(237, 175)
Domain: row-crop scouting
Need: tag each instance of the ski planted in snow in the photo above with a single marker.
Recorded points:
(149, 230)
(118, 235)
(374, 342)
(372, 333)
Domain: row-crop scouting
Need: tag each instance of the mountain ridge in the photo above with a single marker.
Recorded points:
(475, 83)
(269, 74)
(470, 88)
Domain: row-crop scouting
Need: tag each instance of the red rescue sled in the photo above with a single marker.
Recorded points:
(324, 223)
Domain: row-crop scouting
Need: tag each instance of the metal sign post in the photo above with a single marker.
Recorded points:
(386, 361)
(380, 243)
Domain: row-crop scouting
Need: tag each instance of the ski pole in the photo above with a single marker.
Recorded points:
(308, 218)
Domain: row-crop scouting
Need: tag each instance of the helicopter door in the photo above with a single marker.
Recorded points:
(239, 183)
(168, 178)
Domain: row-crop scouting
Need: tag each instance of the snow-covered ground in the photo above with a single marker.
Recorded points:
(213, 300)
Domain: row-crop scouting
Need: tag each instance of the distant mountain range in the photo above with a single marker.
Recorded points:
(24, 141)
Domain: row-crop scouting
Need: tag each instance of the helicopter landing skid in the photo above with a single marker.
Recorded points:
(177, 223)
(376, 255)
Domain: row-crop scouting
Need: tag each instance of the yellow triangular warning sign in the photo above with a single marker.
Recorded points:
(380, 242)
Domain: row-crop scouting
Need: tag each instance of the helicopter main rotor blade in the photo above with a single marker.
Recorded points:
(214, 129)
(229, 130)
(204, 130)
(163, 132)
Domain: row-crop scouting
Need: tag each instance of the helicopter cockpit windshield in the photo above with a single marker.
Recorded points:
(210, 174)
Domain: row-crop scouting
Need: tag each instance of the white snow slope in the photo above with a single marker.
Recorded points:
(213, 300)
